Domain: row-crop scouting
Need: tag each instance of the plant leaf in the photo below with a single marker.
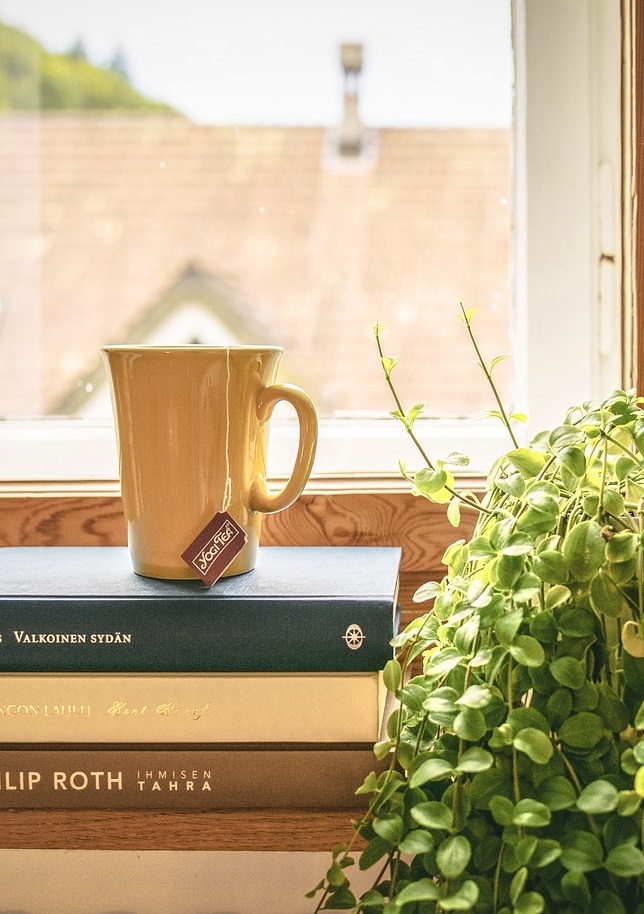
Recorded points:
(453, 855)
(421, 890)
(518, 884)
(625, 860)
(470, 724)
(605, 596)
(466, 315)
(417, 841)
(531, 814)
(569, 672)
(529, 903)
(558, 707)
(475, 696)
(528, 462)
(576, 622)
(547, 851)
(433, 769)
(632, 642)
(480, 549)
(576, 890)
(374, 851)
(392, 675)
(456, 459)
(454, 512)
(622, 546)
(550, 566)
(598, 797)
(527, 651)
(535, 744)
(463, 899)
(574, 460)
(443, 661)
(582, 731)
(475, 759)
(489, 784)
(581, 852)
(566, 436)
(389, 827)
(518, 544)
(427, 591)
(583, 549)
(428, 482)
(557, 793)
(433, 814)
(388, 364)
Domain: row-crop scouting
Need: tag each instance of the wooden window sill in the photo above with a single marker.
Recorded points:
(219, 830)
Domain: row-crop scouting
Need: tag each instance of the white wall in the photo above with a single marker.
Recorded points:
(159, 882)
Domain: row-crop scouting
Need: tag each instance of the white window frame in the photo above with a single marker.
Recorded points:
(567, 344)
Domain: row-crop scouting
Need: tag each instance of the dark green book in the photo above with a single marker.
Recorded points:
(302, 609)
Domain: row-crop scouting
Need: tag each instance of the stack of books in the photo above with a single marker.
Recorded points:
(118, 691)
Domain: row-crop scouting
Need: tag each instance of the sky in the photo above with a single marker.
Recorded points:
(426, 62)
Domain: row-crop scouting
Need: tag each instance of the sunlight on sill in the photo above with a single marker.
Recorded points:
(353, 454)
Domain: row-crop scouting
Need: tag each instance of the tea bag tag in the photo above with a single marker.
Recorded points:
(212, 551)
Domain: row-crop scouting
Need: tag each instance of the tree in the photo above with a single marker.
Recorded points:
(78, 50)
(32, 79)
(118, 65)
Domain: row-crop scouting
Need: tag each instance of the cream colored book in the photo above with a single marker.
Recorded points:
(206, 708)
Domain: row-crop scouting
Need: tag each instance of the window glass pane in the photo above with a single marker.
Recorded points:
(280, 172)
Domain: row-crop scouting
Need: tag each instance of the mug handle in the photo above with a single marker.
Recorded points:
(260, 498)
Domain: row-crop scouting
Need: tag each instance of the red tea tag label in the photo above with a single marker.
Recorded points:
(213, 550)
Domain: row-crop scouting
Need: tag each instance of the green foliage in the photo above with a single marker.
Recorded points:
(516, 772)
(32, 79)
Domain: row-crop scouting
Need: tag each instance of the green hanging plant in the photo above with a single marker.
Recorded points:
(516, 772)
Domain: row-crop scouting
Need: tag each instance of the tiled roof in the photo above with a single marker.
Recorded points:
(99, 214)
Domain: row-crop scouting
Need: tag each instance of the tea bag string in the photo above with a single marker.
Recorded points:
(228, 486)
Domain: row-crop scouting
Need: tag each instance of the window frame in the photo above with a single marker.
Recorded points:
(567, 164)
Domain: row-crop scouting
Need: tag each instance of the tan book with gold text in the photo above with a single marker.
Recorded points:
(207, 707)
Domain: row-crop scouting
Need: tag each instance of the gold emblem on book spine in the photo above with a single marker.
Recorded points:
(354, 637)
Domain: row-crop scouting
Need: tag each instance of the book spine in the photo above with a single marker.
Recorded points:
(210, 708)
(219, 777)
(179, 635)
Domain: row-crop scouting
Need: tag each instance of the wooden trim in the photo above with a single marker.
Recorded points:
(344, 518)
(634, 13)
(378, 518)
(225, 830)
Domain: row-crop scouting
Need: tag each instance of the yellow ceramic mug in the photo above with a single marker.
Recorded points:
(192, 435)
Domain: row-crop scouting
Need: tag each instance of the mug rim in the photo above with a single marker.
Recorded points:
(188, 347)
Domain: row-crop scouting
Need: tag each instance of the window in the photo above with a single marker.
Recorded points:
(563, 297)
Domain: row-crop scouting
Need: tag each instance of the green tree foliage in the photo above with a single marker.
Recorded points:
(32, 79)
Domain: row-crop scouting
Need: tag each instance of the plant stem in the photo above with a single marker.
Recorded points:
(417, 444)
(591, 819)
(488, 376)
(394, 873)
(497, 878)
(617, 443)
(602, 484)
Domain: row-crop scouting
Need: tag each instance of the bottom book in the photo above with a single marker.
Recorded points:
(231, 776)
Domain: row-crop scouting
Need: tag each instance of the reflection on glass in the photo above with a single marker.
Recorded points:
(224, 173)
